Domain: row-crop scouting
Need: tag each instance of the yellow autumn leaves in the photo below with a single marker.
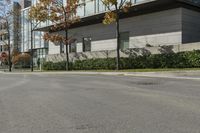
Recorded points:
(110, 2)
(117, 7)
(38, 12)
(56, 38)
(62, 15)
(109, 17)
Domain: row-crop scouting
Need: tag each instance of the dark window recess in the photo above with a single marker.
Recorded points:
(72, 47)
(61, 48)
(87, 44)
(124, 40)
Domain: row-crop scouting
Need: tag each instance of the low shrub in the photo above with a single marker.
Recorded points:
(189, 59)
(54, 66)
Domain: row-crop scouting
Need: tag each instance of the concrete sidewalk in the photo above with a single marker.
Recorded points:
(182, 74)
(168, 74)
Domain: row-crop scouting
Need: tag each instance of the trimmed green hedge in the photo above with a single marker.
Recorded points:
(189, 59)
(54, 66)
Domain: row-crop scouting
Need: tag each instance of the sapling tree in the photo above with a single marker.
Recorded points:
(62, 15)
(38, 14)
(115, 8)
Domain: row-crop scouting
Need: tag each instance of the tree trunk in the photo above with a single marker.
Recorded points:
(66, 48)
(118, 43)
(31, 49)
(9, 50)
(9, 53)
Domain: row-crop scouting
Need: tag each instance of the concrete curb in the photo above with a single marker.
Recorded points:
(195, 75)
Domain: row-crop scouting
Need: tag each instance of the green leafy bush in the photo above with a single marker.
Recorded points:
(189, 59)
(54, 66)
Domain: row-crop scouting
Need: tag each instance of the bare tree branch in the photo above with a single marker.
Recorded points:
(122, 4)
(107, 6)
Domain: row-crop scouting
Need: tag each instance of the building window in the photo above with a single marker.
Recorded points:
(72, 47)
(90, 7)
(61, 48)
(87, 44)
(124, 40)
(81, 11)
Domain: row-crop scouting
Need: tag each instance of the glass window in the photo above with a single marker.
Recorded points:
(89, 7)
(37, 39)
(124, 40)
(101, 6)
(61, 48)
(72, 47)
(80, 10)
(138, 1)
(87, 44)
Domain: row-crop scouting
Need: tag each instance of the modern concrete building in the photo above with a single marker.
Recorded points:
(149, 24)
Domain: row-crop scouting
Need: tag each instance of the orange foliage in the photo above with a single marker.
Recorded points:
(115, 8)
(62, 16)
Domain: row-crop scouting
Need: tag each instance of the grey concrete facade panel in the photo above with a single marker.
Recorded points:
(150, 28)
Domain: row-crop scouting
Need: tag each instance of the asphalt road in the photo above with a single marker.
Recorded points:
(52, 103)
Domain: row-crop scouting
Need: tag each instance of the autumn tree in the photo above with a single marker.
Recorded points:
(115, 8)
(4, 58)
(37, 14)
(19, 57)
(4, 42)
(9, 17)
(15, 56)
(62, 15)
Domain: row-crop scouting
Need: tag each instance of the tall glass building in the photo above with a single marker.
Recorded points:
(40, 46)
(13, 26)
